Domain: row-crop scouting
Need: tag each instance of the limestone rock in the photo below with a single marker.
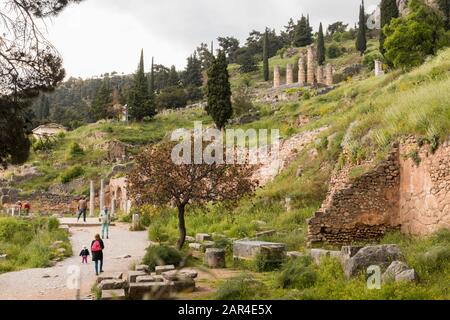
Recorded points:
(161, 269)
(409, 275)
(380, 255)
(247, 249)
(145, 279)
(394, 269)
(201, 237)
(184, 284)
(319, 254)
(143, 268)
(112, 284)
(157, 290)
(118, 294)
(267, 233)
(190, 239)
(215, 258)
(294, 254)
(132, 275)
(109, 276)
(195, 246)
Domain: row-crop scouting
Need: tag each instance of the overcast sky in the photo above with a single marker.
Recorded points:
(99, 36)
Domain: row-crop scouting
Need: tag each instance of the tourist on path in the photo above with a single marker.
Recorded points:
(82, 208)
(105, 219)
(84, 254)
(97, 247)
(27, 208)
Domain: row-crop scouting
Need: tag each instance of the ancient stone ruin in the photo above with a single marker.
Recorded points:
(411, 194)
(309, 74)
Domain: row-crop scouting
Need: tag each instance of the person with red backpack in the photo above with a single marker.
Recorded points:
(97, 247)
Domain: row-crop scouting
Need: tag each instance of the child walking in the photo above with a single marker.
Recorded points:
(84, 254)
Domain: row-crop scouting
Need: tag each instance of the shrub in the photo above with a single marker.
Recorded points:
(334, 51)
(243, 287)
(297, 274)
(369, 59)
(75, 150)
(156, 233)
(172, 98)
(161, 255)
(71, 173)
(265, 263)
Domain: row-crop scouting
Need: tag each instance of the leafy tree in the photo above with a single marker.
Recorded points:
(389, 11)
(141, 101)
(29, 64)
(320, 47)
(255, 44)
(410, 40)
(103, 101)
(334, 51)
(193, 74)
(303, 33)
(172, 98)
(336, 27)
(361, 40)
(229, 45)
(247, 62)
(266, 56)
(219, 92)
(158, 180)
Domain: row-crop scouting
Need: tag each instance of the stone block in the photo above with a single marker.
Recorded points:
(407, 275)
(143, 268)
(294, 254)
(175, 274)
(190, 239)
(184, 285)
(248, 249)
(215, 258)
(112, 284)
(132, 275)
(150, 290)
(161, 269)
(118, 294)
(319, 254)
(109, 276)
(144, 279)
(201, 237)
(195, 246)
(394, 269)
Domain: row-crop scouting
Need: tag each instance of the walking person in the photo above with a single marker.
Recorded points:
(105, 219)
(27, 208)
(82, 208)
(84, 254)
(97, 247)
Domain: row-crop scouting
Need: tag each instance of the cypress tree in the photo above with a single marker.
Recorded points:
(266, 56)
(141, 102)
(102, 101)
(152, 77)
(388, 11)
(218, 91)
(361, 41)
(320, 47)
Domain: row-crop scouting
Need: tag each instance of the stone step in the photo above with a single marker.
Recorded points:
(118, 294)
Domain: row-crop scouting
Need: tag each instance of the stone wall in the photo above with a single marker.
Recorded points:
(397, 194)
(360, 209)
(424, 189)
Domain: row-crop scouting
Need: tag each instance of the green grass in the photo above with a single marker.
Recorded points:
(28, 243)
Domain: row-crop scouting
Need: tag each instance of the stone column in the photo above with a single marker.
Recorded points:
(92, 199)
(378, 68)
(311, 65)
(329, 75)
(289, 74)
(276, 76)
(102, 194)
(319, 75)
(301, 71)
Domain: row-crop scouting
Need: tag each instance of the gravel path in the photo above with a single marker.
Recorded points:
(51, 283)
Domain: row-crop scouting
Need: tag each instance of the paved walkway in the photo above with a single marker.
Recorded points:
(51, 283)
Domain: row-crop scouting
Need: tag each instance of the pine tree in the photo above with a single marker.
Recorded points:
(388, 11)
(303, 33)
(320, 47)
(102, 101)
(193, 74)
(173, 79)
(141, 103)
(361, 41)
(218, 91)
(266, 56)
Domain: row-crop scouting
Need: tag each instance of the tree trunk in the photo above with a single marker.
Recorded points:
(181, 227)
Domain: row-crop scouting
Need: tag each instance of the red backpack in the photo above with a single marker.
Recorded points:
(96, 246)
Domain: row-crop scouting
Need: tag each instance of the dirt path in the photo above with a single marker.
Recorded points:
(50, 283)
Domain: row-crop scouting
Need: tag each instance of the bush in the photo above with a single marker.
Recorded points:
(160, 256)
(75, 150)
(157, 233)
(172, 98)
(334, 51)
(71, 173)
(243, 287)
(297, 274)
(369, 59)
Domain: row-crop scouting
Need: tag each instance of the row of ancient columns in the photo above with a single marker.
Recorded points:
(311, 75)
